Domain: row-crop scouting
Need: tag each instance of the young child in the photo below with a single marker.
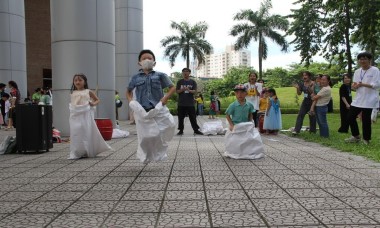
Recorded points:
(154, 123)
(85, 138)
(263, 105)
(243, 140)
(272, 119)
(239, 111)
(7, 106)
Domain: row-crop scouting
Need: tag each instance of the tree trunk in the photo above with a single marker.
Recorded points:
(188, 57)
(347, 37)
(260, 58)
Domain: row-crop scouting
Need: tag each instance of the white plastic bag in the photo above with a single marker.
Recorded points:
(213, 128)
(244, 142)
(154, 131)
(117, 133)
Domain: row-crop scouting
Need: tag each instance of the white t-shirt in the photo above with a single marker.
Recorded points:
(7, 106)
(252, 97)
(367, 97)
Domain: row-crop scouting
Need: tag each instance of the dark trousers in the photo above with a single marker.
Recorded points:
(305, 107)
(255, 118)
(344, 123)
(190, 111)
(366, 121)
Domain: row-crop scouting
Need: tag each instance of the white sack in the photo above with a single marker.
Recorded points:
(85, 138)
(154, 131)
(117, 133)
(244, 142)
(213, 128)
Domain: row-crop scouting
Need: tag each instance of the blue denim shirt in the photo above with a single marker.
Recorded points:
(149, 88)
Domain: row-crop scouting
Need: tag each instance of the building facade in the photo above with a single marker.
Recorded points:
(217, 65)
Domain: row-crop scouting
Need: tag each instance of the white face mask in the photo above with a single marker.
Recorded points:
(147, 64)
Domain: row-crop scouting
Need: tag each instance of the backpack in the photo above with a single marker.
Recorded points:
(118, 103)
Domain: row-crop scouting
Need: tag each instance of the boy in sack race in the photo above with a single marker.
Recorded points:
(242, 140)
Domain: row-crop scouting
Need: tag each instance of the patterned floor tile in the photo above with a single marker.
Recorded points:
(236, 219)
(362, 202)
(194, 219)
(267, 194)
(230, 205)
(21, 196)
(143, 195)
(81, 220)
(277, 204)
(185, 186)
(60, 196)
(138, 206)
(91, 207)
(290, 218)
(185, 195)
(27, 220)
(11, 207)
(184, 206)
(94, 195)
(135, 220)
(307, 192)
(46, 207)
(223, 186)
(322, 203)
(226, 194)
(342, 216)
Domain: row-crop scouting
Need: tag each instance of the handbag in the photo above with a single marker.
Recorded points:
(119, 103)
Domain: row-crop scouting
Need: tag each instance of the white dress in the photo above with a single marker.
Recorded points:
(85, 138)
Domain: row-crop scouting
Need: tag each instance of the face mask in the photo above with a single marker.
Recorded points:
(147, 64)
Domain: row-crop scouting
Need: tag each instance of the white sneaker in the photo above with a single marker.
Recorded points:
(352, 139)
(366, 142)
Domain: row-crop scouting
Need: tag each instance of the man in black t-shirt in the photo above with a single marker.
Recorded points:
(186, 88)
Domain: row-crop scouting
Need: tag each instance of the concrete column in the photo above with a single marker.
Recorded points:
(12, 44)
(83, 41)
(129, 43)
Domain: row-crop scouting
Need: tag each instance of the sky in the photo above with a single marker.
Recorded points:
(158, 15)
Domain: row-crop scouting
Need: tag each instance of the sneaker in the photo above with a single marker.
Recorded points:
(352, 139)
(180, 133)
(198, 133)
(294, 133)
(366, 142)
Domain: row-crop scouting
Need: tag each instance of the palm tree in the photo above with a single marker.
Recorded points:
(190, 38)
(260, 24)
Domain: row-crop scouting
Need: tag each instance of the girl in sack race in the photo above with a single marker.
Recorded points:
(242, 140)
(85, 138)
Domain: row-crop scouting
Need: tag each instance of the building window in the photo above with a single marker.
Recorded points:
(47, 78)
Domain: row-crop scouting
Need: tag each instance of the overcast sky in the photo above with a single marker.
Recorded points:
(158, 15)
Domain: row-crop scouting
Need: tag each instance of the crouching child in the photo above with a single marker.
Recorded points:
(242, 140)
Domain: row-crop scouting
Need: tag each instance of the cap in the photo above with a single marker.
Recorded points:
(240, 87)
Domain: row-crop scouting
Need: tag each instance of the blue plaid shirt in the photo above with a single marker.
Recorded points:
(149, 88)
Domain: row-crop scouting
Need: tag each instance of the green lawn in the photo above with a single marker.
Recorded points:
(336, 139)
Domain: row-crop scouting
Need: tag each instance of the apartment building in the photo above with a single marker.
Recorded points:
(217, 64)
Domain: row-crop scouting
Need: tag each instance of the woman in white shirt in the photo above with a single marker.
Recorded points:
(322, 99)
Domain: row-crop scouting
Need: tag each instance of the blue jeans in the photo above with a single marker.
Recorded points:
(321, 114)
(200, 109)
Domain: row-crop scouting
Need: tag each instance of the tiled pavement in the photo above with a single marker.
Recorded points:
(297, 184)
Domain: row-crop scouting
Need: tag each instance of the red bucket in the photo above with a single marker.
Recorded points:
(105, 128)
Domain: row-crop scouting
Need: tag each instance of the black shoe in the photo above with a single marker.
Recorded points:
(198, 133)
(180, 133)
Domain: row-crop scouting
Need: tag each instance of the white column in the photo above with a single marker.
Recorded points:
(129, 43)
(83, 41)
(13, 44)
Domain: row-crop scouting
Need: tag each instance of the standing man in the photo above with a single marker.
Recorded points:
(307, 89)
(186, 88)
(254, 90)
(366, 82)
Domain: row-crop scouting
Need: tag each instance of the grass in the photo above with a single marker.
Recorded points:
(336, 139)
